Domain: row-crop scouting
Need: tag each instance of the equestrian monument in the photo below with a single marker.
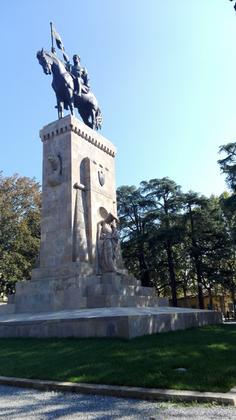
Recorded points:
(80, 287)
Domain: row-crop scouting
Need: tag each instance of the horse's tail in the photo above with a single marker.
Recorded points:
(98, 117)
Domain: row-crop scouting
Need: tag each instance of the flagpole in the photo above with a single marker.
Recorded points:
(52, 48)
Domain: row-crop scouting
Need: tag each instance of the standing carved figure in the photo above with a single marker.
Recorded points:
(108, 240)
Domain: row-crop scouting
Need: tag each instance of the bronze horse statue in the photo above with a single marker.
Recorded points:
(63, 85)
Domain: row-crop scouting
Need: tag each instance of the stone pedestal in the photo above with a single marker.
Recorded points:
(68, 295)
(78, 191)
(78, 187)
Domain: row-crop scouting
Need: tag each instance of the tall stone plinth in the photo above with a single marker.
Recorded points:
(78, 192)
(78, 187)
(68, 295)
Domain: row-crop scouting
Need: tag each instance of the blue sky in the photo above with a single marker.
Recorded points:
(163, 72)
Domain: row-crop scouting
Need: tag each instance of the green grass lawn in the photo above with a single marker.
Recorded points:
(208, 354)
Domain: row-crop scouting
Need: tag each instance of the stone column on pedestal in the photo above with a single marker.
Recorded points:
(78, 181)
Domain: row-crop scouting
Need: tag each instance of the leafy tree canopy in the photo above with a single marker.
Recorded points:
(20, 201)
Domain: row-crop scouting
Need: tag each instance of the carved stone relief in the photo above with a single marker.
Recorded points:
(54, 169)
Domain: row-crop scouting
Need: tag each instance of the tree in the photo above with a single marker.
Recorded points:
(208, 241)
(228, 267)
(166, 199)
(134, 221)
(228, 164)
(193, 203)
(228, 205)
(20, 200)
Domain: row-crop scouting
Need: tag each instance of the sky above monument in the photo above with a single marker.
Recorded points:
(163, 72)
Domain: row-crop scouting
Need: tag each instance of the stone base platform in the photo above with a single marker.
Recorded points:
(105, 322)
(78, 291)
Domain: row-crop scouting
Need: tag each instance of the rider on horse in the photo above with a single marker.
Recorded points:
(70, 84)
(79, 74)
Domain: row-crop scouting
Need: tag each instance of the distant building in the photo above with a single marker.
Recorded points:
(222, 303)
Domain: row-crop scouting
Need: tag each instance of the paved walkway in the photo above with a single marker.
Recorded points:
(18, 404)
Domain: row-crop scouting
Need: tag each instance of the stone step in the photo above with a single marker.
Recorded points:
(146, 291)
(122, 301)
(105, 322)
(7, 308)
(111, 289)
(45, 303)
(108, 290)
(73, 299)
(64, 271)
(117, 279)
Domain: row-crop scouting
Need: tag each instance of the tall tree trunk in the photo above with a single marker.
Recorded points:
(185, 295)
(197, 262)
(233, 295)
(199, 282)
(145, 275)
(172, 273)
(210, 298)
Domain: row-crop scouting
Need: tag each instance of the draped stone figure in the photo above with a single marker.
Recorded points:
(108, 240)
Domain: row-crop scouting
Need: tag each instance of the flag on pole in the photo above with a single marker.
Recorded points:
(59, 42)
(57, 38)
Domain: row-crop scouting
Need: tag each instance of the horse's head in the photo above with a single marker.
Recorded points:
(44, 61)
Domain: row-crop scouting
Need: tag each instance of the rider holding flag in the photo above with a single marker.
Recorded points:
(79, 74)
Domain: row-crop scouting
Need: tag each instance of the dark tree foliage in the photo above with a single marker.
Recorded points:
(166, 198)
(133, 211)
(150, 225)
(183, 244)
(228, 164)
(194, 230)
(228, 206)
